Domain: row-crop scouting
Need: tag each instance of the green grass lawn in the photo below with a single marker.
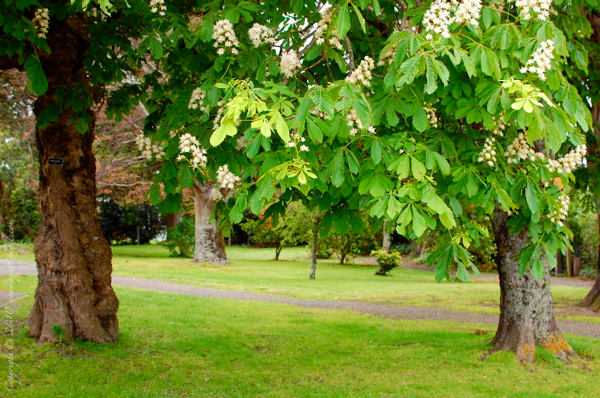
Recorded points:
(255, 270)
(177, 346)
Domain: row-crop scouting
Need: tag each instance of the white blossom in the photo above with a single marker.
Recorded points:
(541, 60)
(438, 18)
(431, 115)
(41, 20)
(468, 11)
(216, 195)
(290, 63)
(354, 121)
(569, 162)
(225, 178)
(188, 144)
(488, 154)
(158, 6)
(148, 149)
(304, 148)
(539, 7)
(323, 26)
(224, 37)
(560, 212)
(500, 126)
(520, 150)
(362, 74)
(197, 99)
(260, 34)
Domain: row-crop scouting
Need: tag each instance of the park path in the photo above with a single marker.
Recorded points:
(381, 310)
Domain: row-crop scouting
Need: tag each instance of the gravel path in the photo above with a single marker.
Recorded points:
(385, 311)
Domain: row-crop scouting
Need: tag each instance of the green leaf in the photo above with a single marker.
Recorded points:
(314, 131)
(281, 126)
(185, 176)
(418, 222)
(403, 167)
(352, 162)
(361, 19)
(226, 128)
(36, 78)
(156, 47)
(418, 169)
(337, 168)
(442, 163)
(343, 21)
(448, 220)
(321, 99)
(411, 68)
(154, 194)
(419, 120)
(376, 151)
(431, 75)
(532, 199)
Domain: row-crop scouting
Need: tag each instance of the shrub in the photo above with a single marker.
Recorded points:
(181, 241)
(386, 261)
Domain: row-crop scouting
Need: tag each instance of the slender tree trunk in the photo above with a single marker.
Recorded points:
(278, 249)
(314, 249)
(387, 237)
(210, 244)
(74, 290)
(526, 312)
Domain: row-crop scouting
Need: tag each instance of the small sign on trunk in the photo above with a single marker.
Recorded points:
(56, 162)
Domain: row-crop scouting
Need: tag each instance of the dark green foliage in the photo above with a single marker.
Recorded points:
(24, 212)
(132, 222)
(386, 261)
(181, 241)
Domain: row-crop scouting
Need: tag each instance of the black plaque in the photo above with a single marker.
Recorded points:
(56, 162)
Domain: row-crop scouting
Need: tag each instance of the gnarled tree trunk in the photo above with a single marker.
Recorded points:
(74, 290)
(526, 311)
(210, 244)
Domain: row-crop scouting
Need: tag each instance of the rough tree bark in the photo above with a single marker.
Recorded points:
(526, 311)
(74, 260)
(210, 244)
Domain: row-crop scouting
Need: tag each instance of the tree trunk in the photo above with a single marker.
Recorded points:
(526, 312)
(387, 237)
(592, 300)
(314, 249)
(210, 244)
(278, 250)
(74, 290)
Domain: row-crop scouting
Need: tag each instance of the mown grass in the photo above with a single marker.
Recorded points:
(255, 270)
(177, 346)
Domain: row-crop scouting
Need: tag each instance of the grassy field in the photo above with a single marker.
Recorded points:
(176, 346)
(255, 270)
